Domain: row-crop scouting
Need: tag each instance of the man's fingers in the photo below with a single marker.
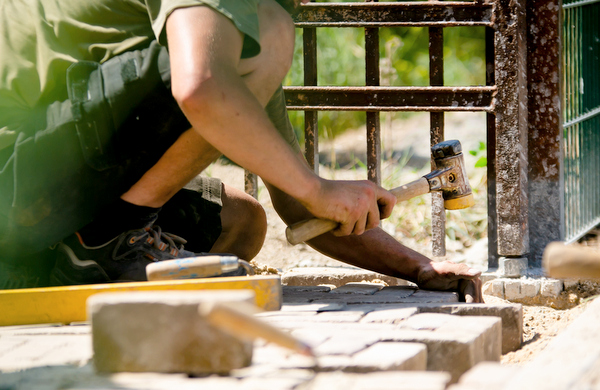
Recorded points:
(386, 202)
(470, 291)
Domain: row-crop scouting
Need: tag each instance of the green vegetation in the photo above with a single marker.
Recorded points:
(404, 62)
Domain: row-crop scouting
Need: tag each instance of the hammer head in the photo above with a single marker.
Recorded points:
(450, 175)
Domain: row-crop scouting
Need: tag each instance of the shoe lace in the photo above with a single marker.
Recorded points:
(163, 241)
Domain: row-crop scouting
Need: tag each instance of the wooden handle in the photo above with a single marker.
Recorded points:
(562, 261)
(191, 267)
(311, 228)
(237, 319)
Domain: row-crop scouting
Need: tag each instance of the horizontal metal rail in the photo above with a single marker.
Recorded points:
(414, 14)
(434, 99)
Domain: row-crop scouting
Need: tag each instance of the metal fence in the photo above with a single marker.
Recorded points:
(581, 115)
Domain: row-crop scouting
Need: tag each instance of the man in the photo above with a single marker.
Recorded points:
(104, 167)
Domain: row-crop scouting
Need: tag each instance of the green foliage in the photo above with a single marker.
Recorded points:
(404, 62)
(481, 153)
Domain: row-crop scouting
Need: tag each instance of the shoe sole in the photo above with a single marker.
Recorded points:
(84, 271)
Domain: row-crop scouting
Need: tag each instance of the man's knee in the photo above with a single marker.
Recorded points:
(277, 35)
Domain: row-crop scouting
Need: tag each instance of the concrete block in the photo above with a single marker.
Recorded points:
(454, 343)
(358, 288)
(551, 288)
(347, 343)
(163, 332)
(389, 316)
(511, 316)
(486, 375)
(530, 288)
(512, 289)
(314, 276)
(488, 276)
(392, 356)
(379, 380)
(512, 267)
(313, 307)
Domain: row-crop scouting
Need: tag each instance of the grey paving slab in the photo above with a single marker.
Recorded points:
(358, 288)
(313, 276)
(511, 315)
(389, 316)
(486, 375)
(574, 354)
(313, 307)
(347, 342)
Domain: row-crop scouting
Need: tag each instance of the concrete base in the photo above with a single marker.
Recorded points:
(512, 267)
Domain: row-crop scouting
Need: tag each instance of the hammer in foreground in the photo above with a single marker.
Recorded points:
(449, 177)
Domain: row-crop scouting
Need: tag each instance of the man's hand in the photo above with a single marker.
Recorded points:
(447, 276)
(356, 205)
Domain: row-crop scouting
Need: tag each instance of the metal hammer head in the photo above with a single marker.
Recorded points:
(450, 175)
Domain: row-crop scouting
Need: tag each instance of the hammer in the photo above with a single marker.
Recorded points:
(449, 177)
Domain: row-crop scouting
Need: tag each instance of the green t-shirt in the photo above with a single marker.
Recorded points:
(40, 39)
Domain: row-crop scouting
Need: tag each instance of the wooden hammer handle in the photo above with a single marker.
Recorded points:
(311, 228)
(563, 261)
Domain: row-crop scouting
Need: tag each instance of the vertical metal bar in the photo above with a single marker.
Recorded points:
(491, 156)
(251, 184)
(545, 184)
(511, 129)
(436, 78)
(311, 118)
(373, 118)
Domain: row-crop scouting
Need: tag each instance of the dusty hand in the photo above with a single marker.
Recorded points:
(449, 276)
(356, 205)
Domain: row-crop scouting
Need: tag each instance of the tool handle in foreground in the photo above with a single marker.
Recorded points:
(311, 228)
(562, 261)
(237, 320)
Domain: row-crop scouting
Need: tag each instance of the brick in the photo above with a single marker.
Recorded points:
(380, 381)
(530, 288)
(163, 332)
(390, 356)
(486, 375)
(389, 316)
(511, 316)
(358, 288)
(454, 343)
(314, 276)
(512, 289)
(551, 288)
(347, 343)
(27, 351)
(313, 307)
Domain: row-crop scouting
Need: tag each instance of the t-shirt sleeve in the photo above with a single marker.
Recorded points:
(243, 13)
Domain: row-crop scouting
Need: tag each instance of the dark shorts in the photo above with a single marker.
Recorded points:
(119, 120)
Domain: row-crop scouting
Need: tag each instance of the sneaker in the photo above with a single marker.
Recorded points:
(122, 259)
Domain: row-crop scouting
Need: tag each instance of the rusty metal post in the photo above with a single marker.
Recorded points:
(546, 196)
(436, 135)
(251, 184)
(311, 118)
(491, 156)
(511, 135)
(373, 118)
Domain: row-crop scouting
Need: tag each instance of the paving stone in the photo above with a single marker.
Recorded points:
(512, 289)
(486, 375)
(380, 380)
(287, 290)
(511, 315)
(313, 307)
(358, 288)
(163, 332)
(390, 356)
(389, 316)
(314, 276)
(26, 351)
(530, 288)
(347, 343)
(551, 288)
(572, 356)
(454, 343)
(331, 316)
